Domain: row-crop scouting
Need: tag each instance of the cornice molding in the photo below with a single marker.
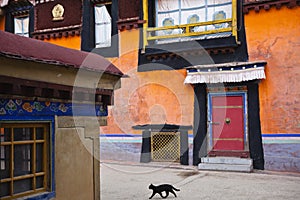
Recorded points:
(165, 56)
(258, 5)
(130, 23)
(101, 1)
(57, 33)
(18, 8)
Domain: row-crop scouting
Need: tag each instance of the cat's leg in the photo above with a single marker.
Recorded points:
(173, 193)
(167, 194)
(152, 195)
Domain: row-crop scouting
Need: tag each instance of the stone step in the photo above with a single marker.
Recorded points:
(227, 160)
(225, 167)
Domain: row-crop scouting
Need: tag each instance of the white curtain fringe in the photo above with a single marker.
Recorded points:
(225, 77)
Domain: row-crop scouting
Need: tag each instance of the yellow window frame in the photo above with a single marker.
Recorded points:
(188, 27)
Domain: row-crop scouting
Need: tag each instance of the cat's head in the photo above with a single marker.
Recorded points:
(151, 186)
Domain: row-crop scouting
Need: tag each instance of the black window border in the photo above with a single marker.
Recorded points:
(9, 21)
(88, 31)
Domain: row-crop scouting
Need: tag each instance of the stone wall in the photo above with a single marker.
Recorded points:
(77, 168)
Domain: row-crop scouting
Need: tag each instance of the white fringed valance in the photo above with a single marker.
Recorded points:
(225, 76)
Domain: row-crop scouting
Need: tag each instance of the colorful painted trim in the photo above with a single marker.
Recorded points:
(137, 138)
(46, 196)
(19, 107)
(129, 138)
(123, 138)
(225, 73)
(281, 138)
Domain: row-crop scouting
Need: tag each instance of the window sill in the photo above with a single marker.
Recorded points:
(209, 43)
(40, 196)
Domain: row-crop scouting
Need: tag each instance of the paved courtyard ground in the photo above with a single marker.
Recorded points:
(130, 181)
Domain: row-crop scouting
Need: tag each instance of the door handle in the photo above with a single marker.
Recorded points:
(214, 123)
(227, 120)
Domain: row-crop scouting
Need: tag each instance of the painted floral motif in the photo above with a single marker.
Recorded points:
(54, 107)
(38, 106)
(19, 102)
(168, 22)
(2, 102)
(2, 111)
(24, 107)
(11, 106)
(63, 108)
(47, 103)
(219, 15)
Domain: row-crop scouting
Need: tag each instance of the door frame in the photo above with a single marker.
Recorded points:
(209, 116)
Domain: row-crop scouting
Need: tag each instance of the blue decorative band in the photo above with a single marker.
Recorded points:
(281, 135)
(120, 135)
(20, 107)
(190, 135)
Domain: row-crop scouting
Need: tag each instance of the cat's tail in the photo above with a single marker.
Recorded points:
(175, 189)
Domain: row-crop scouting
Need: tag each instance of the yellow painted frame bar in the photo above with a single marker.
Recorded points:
(190, 34)
(234, 19)
(145, 25)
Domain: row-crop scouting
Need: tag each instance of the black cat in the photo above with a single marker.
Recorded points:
(162, 188)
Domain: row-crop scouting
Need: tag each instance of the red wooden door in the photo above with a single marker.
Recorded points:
(227, 123)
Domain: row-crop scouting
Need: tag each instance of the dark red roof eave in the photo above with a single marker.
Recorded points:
(23, 48)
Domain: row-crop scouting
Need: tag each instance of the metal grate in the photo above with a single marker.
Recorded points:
(165, 146)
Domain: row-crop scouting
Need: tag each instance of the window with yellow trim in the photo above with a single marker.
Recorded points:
(24, 159)
(180, 20)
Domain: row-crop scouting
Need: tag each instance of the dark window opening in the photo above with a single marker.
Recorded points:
(106, 100)
(27, 90)
(63, 94)
(6, 88)
(48, 93)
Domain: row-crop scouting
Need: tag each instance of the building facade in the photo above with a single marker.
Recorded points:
(170, 54)
(207, 40)
(200, 74)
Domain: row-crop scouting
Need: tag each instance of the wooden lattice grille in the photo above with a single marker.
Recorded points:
(165, 146)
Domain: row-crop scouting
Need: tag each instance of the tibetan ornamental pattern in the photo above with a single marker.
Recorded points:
(11, 107)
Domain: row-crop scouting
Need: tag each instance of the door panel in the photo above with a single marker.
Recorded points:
(227, 123)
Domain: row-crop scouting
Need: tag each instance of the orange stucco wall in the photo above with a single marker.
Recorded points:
(117, 120)
(73, 42)
(274, 36)
(155, 97)
(128, 50)
(2, 23)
